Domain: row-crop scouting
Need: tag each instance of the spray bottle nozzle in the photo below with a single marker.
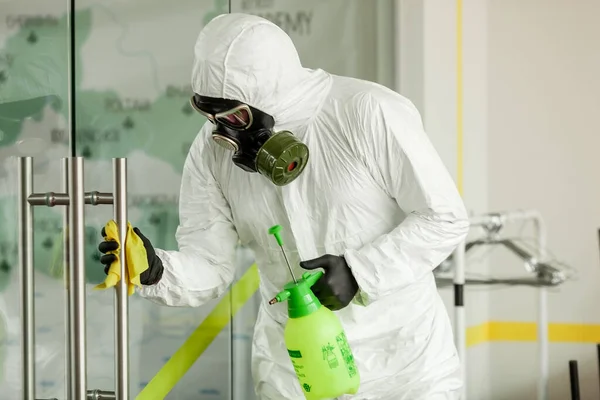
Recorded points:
(281, 296)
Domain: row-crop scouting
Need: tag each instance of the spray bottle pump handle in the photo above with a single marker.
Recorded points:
(276, 231)
(312, 277)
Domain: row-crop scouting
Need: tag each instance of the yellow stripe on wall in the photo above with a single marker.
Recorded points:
(574, 333)
(477, 334)
(507, 331)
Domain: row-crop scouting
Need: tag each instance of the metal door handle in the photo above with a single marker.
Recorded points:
(74, 198)
(95, 395)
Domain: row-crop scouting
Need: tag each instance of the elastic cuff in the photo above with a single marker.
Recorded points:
(157, 276)
(361, 298)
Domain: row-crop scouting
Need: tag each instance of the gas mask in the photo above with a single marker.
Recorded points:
(248, 133)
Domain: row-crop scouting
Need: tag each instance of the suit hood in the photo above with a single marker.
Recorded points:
(248, 58)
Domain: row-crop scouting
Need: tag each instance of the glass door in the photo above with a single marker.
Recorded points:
(131, 88)
(34, 117)
(133, 97)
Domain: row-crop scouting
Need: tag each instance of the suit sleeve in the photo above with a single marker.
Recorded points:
(204, 266)
(401, 157)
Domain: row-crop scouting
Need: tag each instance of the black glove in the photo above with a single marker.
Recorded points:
(155, 267)
(337, 287)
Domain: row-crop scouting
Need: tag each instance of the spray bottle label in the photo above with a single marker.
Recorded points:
(329, 356)
(334, 356)
(346, 354)
(298, 367)
(295, 353)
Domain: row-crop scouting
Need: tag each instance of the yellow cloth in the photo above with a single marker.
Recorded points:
(135, 256)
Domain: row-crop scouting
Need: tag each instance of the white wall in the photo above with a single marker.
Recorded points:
(544, 137)
(530, 141)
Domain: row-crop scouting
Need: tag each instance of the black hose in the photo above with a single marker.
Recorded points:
(574, 377)
(598, 348)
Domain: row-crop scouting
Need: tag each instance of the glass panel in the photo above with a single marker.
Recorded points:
(133, 101)
(33, 120)
(344, 37)
(133, 68)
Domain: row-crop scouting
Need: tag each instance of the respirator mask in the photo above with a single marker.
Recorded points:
(248, 133)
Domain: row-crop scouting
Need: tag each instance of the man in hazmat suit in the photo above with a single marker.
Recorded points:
(345, 166)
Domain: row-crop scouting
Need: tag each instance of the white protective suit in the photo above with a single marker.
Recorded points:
(374, 190)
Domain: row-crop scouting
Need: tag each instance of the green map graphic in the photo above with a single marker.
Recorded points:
(33, 76)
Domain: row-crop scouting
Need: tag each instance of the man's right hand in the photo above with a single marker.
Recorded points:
(155, 267)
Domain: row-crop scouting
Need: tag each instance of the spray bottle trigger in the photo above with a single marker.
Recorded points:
(312, 277)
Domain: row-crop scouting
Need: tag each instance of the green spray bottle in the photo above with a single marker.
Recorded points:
(315, 339)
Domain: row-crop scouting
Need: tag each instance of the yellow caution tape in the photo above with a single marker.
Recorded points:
(177, 366)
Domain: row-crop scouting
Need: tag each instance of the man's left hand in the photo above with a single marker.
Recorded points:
(337, 287)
